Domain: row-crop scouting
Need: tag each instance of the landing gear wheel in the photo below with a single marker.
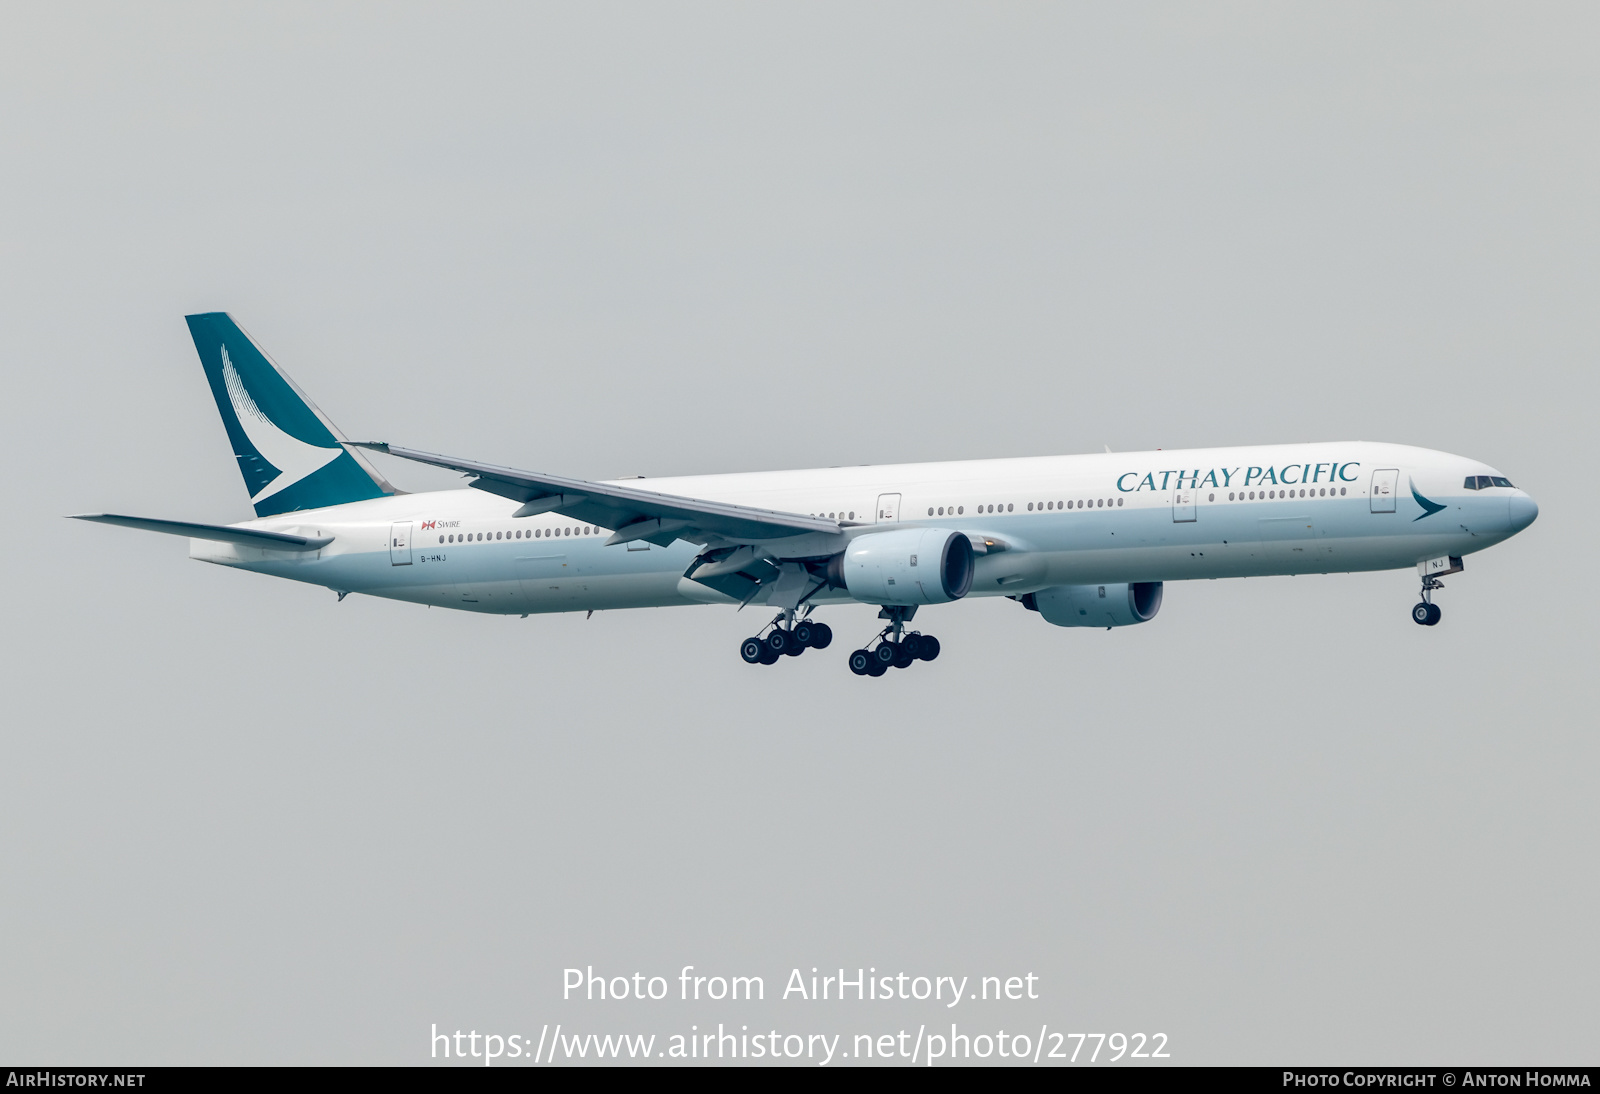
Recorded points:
(885, 654)
(1427, 613)
(821, 636)
(780, 642)
(805, 634)
(861, 663)
(911, 646)
(928, 647)
(904, 658)
(750, 649)
(769, 656)
(878, 669)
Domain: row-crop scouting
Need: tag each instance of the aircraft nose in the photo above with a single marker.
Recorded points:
(1523, 511)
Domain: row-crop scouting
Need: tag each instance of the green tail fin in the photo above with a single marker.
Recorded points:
(289, 452)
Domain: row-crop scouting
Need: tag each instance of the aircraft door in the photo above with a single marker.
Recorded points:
(1183, 505)
(400, 544)
(888, 508)
(1384, 482)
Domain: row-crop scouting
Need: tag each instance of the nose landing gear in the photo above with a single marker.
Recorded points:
(1426, 613)
(890, 650)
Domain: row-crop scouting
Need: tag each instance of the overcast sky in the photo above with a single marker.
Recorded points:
(242, 822)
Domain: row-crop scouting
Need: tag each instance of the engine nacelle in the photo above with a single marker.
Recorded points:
(904, 567)
(1096, 605)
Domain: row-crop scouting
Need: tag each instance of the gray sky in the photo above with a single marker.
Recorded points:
(241, 822)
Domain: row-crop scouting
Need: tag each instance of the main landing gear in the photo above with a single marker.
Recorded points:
(786, 638)
(893, 649)
(1427, 613)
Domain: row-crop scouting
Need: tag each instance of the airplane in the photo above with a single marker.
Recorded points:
(1078, 540)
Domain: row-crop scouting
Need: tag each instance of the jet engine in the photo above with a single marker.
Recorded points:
(905, 567)
(1096, 605)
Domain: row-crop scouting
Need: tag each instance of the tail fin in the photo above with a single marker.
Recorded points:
(289, 452)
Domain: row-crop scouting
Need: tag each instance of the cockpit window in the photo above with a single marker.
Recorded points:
(1471, 483)
(1501, 481)
(1483, 482)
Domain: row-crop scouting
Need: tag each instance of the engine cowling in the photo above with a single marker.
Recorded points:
(1096, 605)
(907, 566)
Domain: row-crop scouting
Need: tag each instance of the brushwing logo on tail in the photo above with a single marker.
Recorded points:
(294, 458)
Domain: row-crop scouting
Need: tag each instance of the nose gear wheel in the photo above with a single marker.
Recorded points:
(1426, 613)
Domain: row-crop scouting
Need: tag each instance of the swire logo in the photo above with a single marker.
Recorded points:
(429, 524)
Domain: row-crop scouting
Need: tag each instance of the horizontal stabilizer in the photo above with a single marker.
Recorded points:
(245, 537)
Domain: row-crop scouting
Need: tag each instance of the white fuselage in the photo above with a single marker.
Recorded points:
(1057, 520)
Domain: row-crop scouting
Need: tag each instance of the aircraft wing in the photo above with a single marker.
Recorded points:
(635, 514)
(245, 537)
